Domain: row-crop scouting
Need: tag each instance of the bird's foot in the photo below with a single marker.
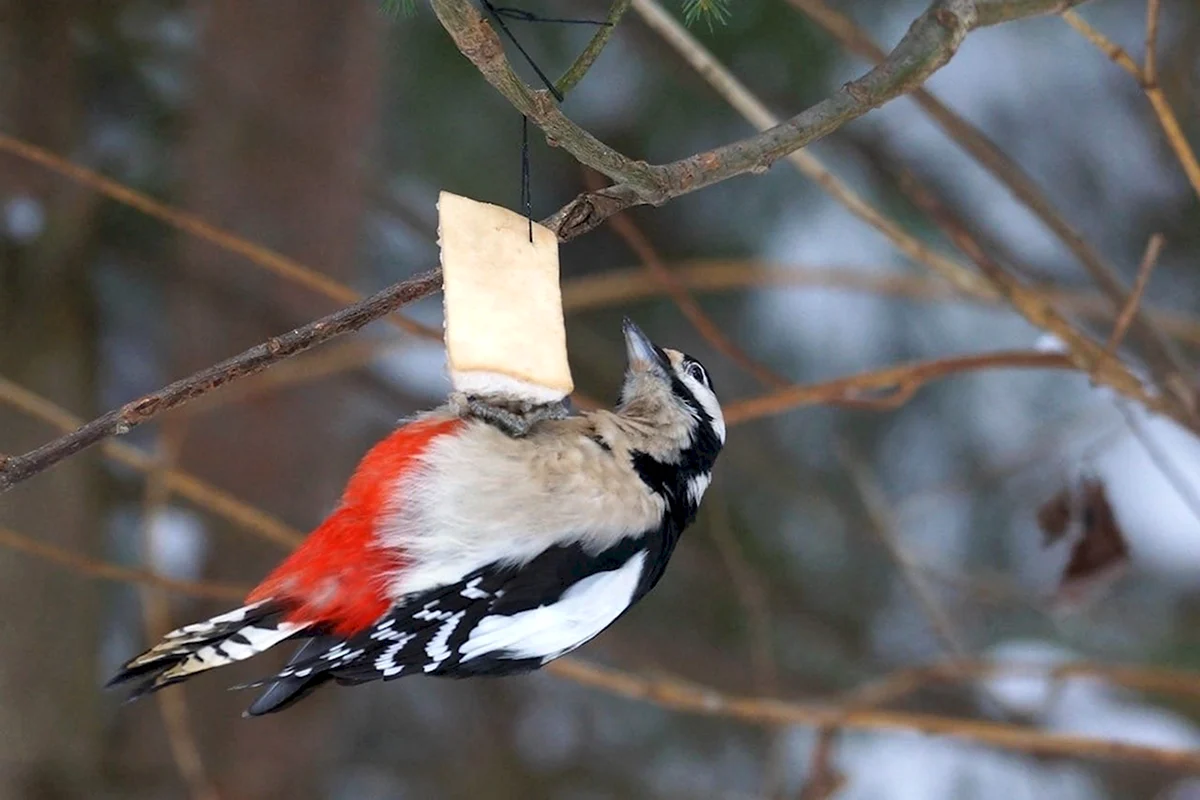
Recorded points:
(512, 416)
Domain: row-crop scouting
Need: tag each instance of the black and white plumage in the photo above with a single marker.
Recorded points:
(500, 553)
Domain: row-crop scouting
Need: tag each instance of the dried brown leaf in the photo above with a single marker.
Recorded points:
(1100, 554)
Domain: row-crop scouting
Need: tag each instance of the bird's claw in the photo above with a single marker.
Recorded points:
(514, 417)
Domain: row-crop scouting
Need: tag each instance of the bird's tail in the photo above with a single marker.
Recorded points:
(196, 648)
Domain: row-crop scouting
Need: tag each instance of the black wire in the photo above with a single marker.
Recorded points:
(522, 15)
(498, 14)
(526, 193)
(549, 84)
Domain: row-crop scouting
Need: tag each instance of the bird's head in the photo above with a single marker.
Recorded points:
(671, 395)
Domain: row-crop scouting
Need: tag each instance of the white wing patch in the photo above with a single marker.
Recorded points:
(472, 591)
(438, 649)
(697, 486)
(548, 631)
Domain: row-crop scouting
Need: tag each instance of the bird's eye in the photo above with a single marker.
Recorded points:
(697, 372)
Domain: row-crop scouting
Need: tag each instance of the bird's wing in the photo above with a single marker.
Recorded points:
(501, 619)
(338, 578)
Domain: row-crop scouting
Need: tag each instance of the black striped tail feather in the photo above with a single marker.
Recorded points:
(192, 649)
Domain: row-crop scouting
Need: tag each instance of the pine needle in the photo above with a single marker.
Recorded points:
(398, 9)
(707, 10)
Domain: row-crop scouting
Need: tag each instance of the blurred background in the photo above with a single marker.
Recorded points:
(836, 545)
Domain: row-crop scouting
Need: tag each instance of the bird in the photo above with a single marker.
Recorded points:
(464, 547)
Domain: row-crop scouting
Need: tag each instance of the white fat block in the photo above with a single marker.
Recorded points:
(505, 333)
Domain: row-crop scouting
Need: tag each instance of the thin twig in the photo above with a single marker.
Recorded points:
(987, 154)
(1149, 84)
(823, 781)
(202, 493)
(256, 254)
(624, 285)
(115, 572)
(754, 111)
(903, 682)
(693, 699)
(123, 419)
(679, 294)
(591, 52)
(929, 44)
(156, 617)
(1134, 301)
(750, 588)
(881, 517)
(900, 381)
(1150, 70)
(1031, 303)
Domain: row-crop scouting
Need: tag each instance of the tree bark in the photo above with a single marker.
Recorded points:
(50, 717)
(282, 122)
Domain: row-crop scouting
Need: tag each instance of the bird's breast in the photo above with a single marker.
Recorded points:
(480, 497)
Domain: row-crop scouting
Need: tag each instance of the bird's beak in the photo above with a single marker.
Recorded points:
(638, 347)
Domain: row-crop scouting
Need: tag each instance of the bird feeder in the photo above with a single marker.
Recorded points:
(506, 339)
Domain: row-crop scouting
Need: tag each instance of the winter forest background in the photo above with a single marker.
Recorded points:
(929, 550)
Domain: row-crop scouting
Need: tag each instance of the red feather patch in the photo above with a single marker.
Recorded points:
(338, 576)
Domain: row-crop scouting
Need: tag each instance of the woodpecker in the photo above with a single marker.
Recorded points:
(463, 547)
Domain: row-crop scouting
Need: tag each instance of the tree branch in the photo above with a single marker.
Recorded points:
(897, 384)
(692, 699)
(929, 44)
(1030, 302)
(180, 220)
(202, 493)
(14, 469)
(639, 243)
(1147, 78)
(1160, 352)
(583, 63)
(115, 572)
(479, 43)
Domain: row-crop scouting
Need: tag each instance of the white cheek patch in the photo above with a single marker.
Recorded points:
(548, 631)
(708, 401)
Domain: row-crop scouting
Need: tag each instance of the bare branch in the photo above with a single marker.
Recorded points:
(202, 493)
(902, 380)
(1031, 303)
(121, 420)
(1162, 355)
(479, 43)
(156, 618)
(1150, 70)
(1149, 83)
(191, 224)
(902, 682)
(115, 572)
(693, 699)
(591, 52)
(1134, 301)
(929, 44)
(754, 111)
(882, 520)
(720, 274)
(679, 294)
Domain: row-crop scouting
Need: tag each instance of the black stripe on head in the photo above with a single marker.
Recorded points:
(697, 371)
(702, 451)
(673, 481)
